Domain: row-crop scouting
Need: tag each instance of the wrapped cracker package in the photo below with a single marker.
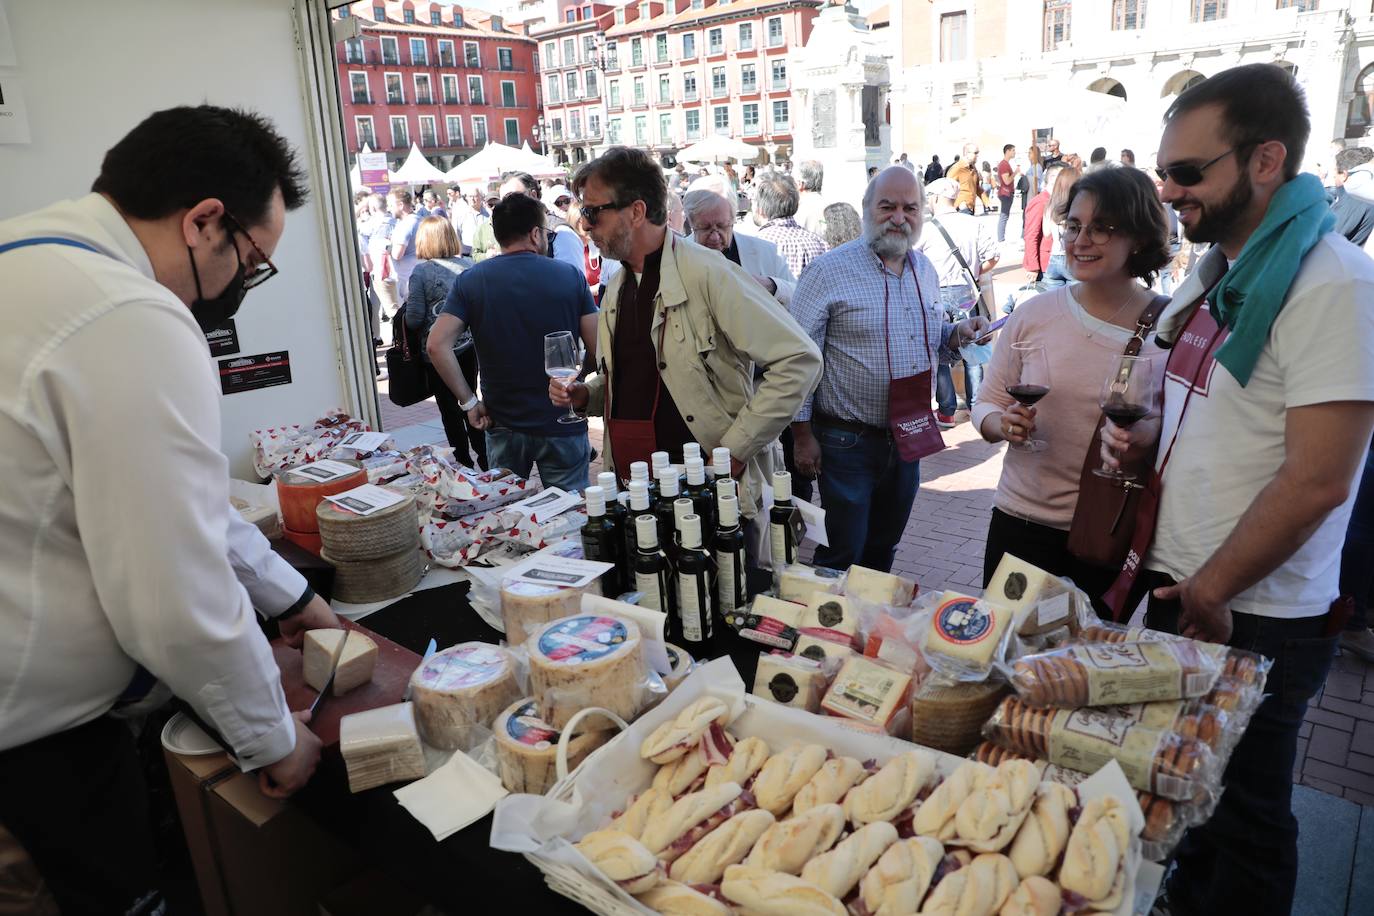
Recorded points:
(1105, 674)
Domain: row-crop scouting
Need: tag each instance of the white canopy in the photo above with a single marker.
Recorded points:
(416, 169)
(537, 165)
(718, 148)
(495, 159)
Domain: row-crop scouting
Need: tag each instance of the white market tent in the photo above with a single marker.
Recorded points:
(416, 169)
(1081, 118)
(718, 148)
(539, 166)
(495, 159)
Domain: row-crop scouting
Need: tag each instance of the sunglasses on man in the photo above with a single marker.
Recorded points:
(1187, 175)
(590, 214)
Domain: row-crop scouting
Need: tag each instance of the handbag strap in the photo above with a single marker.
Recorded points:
(959, 256)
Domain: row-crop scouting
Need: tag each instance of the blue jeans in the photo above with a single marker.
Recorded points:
(1245, 858)
(1003, 212)
(1057, 272)
(562, 460)
(866, 491)
(944, 387)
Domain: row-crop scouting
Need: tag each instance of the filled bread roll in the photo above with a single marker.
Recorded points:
(1095, 858)
(623, 859)
(747, 757)
(727, 845)
(1042, 836)
(1034, 896)
(978, 889)
(935, 816)
(835, 778)
(898, 881)
(647, 806)
(675, 738)
(671, 834)
(682, 774)
(892, 789)
(769, 893)
(989, 817)
(783, 776)
(788, 845)
(837, 871)
(671, 898)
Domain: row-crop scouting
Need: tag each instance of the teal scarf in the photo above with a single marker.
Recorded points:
(1248, 298)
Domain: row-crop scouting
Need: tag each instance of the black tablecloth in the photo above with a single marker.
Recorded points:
(463, 870)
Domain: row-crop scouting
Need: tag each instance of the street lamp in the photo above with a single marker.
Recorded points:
(540, 136)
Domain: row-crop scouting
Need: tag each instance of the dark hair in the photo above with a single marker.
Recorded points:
(1006, 148)
(1099, 154)
(1347, 159)
(178, 157)
(1126, 154)
(1127, 199)
(1259, 103)
(402, 196)
(631, 174)
(516, 216)
(525, 178)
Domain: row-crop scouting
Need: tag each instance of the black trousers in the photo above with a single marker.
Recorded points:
(1245, 858)
(1046, 547)
(77, 802)
(459, 432)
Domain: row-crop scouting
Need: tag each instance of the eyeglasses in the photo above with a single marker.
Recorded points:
(590, 214)
(1098, 234)
(264, 271)
(1188, 175)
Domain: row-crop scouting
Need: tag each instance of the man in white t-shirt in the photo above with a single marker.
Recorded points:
(1264, 432)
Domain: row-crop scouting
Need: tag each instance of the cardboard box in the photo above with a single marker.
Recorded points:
(253, 854)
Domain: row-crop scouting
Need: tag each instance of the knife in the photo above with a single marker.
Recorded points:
(429, 650)
(333, 670)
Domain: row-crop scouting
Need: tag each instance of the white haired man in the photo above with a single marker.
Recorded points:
(775, 206)
(712, 221)
(810, 204)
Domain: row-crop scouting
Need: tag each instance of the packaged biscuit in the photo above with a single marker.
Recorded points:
(1105, 674)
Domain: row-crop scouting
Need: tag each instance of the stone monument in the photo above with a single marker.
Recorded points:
(840, 87)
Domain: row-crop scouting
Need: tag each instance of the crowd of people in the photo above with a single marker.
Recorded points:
(791, 329)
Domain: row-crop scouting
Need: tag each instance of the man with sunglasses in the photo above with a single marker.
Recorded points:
(121, 560)
(1268, 409)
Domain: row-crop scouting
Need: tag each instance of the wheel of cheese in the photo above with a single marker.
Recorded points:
(386, 532)
(462, 690)
(362, 581)
(525, 607)
(299, 494)
(527, 747)
(587, 660)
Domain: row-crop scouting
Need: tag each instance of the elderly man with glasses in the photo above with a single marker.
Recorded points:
(712, 222)
(681, 331)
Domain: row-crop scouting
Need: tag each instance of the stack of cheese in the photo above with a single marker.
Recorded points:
(587, 660)
(460, 691)
(381, 746)
(525, 607)
(299, 494)
(375, 556)
(803, 831)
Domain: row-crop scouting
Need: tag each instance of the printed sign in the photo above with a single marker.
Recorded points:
(366, 499)
(224, 340)
(550, 570)
(249, 373)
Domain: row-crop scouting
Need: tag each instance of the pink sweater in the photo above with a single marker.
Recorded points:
(1043, 486)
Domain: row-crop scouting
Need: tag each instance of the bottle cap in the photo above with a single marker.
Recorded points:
(639, 494)
(720, 461)
(660, 460)
(691, 450)
(727, 486)
(646, 532)
(696, 472)
(681, 507)
(606, 481)
(667, 481)
(691, 531)
(596, 501)
(729, 510)
(782, 487)
(639, 471)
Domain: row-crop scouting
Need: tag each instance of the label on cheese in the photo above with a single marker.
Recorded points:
(866, 691)
(467, 667)
(819, 648)
(582, 639)
(525, 726)
(964, 622)
(830, 617)
(1087, 739)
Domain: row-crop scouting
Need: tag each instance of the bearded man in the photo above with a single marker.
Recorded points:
(873, 308)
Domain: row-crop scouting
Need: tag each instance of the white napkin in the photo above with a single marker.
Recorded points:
(453, 796)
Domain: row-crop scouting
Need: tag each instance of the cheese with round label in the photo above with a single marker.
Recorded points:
(357, 662)
(799, 582)
(460, 691)
(527, 747)
(682, 664)
(1019, 587)
(832, 614)
(878, 587)
(819, 648)
(587, 660)
(525, 607)
(966, 629)
(787, 680)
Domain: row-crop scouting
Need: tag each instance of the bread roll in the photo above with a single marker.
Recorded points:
(783, 776)
(650, 805)
(898, 881)
(993, 812)
(727, 845)
(788, 845)
(1034, 896)
(682, 774)
(1095, 859)
(747, 757)
(830, 784)
(978, 889)
(675, 738)
(837, 871)
(623, 859)
(670, 898)
(687, 813)
(891, 790)
(771, 893)
(1042, 836)
(935, 816)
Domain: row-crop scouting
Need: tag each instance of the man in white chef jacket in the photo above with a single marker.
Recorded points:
(120, 555)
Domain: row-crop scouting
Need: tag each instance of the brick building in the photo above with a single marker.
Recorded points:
(662, 74)
(432, 74)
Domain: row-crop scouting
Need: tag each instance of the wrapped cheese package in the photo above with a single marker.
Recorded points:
(965, 636)
(878, 587)
(769, 622)
(799, 582)
(525, 607)
(790, 680)
(381, 746)
(832, 617)
(588, 660)
(870, 692)
(526, 747)
(460, 691)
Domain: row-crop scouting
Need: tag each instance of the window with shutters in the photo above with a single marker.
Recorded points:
(689, 87)
(693, 124)
(423, 95)
(722, 119)
(746, 36)
(751, 119)
(446, 58)
(1128, 15)
(479, 130)
(472, 55)
(507, 94)
(429, 137)
(1056, 23)
(390, 52)
(689, 46)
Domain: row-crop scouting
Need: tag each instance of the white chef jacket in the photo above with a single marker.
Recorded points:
(118, 546)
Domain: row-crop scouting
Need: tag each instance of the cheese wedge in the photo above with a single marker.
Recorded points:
(878, 587)
(1018, 586)
(799, 582)
(356, 664)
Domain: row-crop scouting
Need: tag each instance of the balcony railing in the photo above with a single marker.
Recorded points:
(395, 98)
(429, 140)
(477, 98)
(451, 100)
(361, 98)
(447, 60)
(392, 60)
(399, 141)
(424, 100)
(694, 133)
(420, 61)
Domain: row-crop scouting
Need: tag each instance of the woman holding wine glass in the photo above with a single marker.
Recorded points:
(1054, 366)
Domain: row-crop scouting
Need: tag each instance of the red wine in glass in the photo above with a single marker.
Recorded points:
(1028, 395)
(1128, 396)
(1125, 415)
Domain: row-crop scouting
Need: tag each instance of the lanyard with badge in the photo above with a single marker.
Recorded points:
(909, 417)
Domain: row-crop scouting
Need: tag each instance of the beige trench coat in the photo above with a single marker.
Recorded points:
(720, 323)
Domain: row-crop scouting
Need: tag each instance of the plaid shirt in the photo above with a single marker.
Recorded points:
(839, 302)
(798, 246)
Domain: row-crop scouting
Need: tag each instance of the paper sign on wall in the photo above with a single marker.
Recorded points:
(14, 114)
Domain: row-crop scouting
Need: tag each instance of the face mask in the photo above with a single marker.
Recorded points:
(214, 313)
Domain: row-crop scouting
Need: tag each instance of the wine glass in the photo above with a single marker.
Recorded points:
(1032, 383)
(563, 361)
(1128, 395)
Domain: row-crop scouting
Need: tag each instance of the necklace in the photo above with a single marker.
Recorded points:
(1112, 319)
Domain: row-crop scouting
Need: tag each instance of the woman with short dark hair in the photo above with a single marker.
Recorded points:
(1115, 237)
